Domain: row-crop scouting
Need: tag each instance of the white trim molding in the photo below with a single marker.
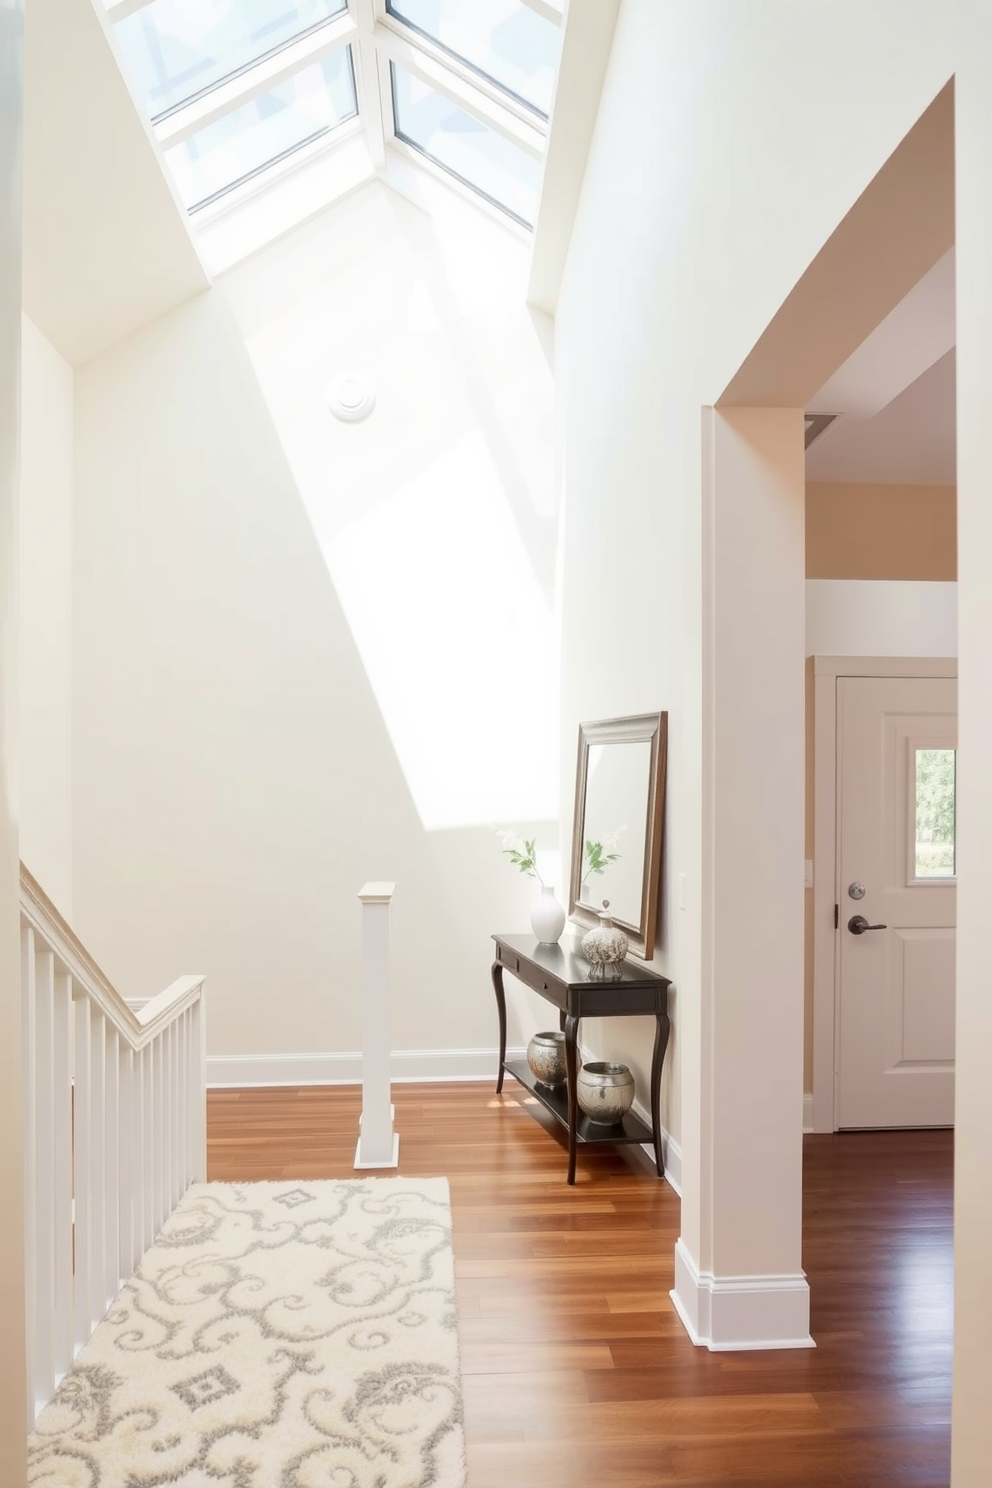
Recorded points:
(808, 1113)
(724, 1313)
(671, 1152)
(408, 1066)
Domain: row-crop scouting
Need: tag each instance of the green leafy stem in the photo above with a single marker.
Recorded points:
(526, 860)
(597, 859)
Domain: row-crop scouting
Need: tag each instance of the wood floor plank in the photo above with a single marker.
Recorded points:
(577, 1372)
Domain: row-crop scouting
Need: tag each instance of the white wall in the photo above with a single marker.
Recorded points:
(13, 1379)
(308, 654)
(45, 515)
(880, 617)
(760, 135)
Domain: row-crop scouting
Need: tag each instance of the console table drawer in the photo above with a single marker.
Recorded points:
(509, 960)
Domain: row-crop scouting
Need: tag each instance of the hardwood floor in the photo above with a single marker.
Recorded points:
(577, 1372)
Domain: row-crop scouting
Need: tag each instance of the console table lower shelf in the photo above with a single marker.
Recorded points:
(554, 1098)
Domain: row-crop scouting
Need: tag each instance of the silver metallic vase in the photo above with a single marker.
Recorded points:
(605, 1091)
(546, 1057)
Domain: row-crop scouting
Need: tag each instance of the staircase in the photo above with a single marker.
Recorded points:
(115, 1132)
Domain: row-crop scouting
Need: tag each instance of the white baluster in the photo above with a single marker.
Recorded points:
(161, 1077)
(175, 1122)
(198, 1154)
(184, 1099)
(378, 1145)
(128, 1166)
(148, 1148)
(44, 1174)
(62, 1281)
(31, 1278)
(95, 1287)
(112, 1170)
(82, 1168)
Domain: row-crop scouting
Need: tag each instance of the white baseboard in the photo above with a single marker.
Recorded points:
(671, 1152)
(724, 1313)
(409, 1066)
(225, 1071)
(807, 1114)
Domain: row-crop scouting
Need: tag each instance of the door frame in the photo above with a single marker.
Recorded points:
(826, 672)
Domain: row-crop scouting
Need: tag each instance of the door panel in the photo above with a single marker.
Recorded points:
(895, 761)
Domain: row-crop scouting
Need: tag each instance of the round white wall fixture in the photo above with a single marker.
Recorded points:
(351, 397)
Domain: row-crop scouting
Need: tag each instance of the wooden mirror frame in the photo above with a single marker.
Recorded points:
(649, 728)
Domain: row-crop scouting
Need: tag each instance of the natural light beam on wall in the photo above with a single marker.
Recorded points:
(436, 513)
(465, 627)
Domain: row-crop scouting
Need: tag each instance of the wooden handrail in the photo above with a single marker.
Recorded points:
(136, 1028)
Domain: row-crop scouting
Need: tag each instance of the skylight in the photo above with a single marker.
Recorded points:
(504, 41)
(462, 144)
(175, 50)
(241, 92)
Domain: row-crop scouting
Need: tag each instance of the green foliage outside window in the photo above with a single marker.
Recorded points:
(935, 781)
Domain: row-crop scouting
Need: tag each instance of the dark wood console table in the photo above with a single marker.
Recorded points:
(561, 974)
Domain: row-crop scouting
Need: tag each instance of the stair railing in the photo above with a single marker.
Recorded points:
(115, 1131)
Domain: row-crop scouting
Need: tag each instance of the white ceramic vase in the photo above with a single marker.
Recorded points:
(547, 917)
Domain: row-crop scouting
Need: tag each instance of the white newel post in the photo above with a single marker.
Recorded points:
(378, 1145)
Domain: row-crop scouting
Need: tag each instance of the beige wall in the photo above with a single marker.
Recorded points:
(880, 532)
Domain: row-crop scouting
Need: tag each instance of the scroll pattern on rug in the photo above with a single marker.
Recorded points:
(276, 1335)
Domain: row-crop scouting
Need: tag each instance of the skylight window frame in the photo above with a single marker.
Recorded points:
(522, 127)
(377, 39)
(278, 67)
(475, 91)
(498, 92)
(278, 165)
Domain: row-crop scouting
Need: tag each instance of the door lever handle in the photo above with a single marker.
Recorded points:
(857, 925)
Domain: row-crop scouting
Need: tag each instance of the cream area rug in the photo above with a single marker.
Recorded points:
(276, 1335)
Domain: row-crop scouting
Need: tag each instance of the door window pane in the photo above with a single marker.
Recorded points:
(481, 157)
(503, 39)
(178, 49)
(935, 785)
(310, 103)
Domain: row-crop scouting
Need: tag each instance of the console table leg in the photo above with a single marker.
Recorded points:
(572, 1071)
(661, 1032)
(501, 1011)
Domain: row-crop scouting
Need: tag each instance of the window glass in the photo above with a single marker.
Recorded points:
(478, 155)
(176, 49)
(310, 103)
(504, 40)
(935, 790)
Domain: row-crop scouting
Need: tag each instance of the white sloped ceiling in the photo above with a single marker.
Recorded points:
(106, 247)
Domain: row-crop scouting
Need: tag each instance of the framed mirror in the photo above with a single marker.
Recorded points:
(618, 825)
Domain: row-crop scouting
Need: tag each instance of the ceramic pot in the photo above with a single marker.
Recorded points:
(605, 1091)
(546, 1057)
(547, 917)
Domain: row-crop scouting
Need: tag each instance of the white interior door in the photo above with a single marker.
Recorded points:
(896, 743)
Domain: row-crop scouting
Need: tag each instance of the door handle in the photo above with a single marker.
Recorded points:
(857, 925)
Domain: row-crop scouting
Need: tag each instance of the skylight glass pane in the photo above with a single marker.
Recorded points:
(310, 103)
(463, 145)
(503, 39)
(177, 49)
